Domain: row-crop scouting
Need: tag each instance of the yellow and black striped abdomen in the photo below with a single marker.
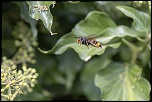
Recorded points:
(94, 43)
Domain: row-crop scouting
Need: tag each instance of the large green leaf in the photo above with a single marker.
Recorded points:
(95, 24)
(122, 83)
(142, 21)
(69, 41)
(44, 15)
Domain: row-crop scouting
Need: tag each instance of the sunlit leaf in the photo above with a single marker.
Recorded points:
(85, 54)
(41, 10)
(142, 21)
(69, 41)
(95, 24)
(118, 82)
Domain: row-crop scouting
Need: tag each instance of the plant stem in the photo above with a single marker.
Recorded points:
(140, 39)
(134, 50)
(133, 47)
(134, 56)
(147, 45)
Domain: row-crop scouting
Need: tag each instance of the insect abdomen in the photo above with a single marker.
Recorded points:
(94, 43)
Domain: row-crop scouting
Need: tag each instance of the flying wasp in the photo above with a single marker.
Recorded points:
(88, 41)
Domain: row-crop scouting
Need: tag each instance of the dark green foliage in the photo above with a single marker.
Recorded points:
(120, 70)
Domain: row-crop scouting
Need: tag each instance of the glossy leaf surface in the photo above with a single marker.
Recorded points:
(41, 10)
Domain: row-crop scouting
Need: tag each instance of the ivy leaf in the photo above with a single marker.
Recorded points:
(118, 82)
(142, 21)
(69, 41)
(119, 31)
(87, 77)
(24, 14)
(70, 69)
(41, 10)
(95, 24)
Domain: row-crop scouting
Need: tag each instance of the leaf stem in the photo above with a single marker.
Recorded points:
(134, 50)
(133, 47)
(147, 45)
(134, 56)
(140, 39)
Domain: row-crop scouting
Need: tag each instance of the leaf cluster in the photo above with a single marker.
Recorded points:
(120, 70)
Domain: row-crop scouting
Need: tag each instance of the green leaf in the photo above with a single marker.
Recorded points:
(24, 14)
(119, 31)
(69, 41)
(145, 57)
(98, 24)
(142, 21)
(37, 11)
(69, 65)
(87, 77)
(95, 23)
(63, 73)
(118, 82)
(122, 53)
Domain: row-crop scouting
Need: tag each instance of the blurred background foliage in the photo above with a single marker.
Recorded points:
(66, 76)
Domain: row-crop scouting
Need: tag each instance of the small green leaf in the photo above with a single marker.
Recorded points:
(142, 21)
(41, 10)
(118, 82)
